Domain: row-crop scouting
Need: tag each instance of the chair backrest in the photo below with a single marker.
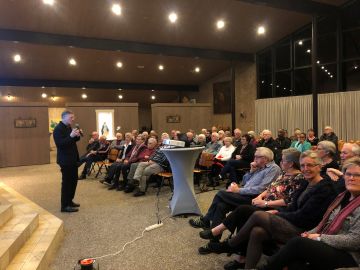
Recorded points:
(340, 144)
(206, 159)
(112, 155)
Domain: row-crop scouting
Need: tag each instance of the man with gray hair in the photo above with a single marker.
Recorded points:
(263, 171)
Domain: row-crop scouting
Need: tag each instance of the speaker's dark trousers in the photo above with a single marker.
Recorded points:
(69, 183)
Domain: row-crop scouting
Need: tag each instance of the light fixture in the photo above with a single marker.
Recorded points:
(277, 86)
(9, 97)
(53, 98)
(322, 67)
(300, 42)
(83, 88)
(329, 73)
(197, 69)
(261, 30)
(220, 24)
(17, 58)
(331, 76)
(44, 95)
(120, 89)
(116, 9)
(356, 67)
(43, 87)
(153, 97)
(48, 2)
(152, 90)
(161, 67)
(119, 64)
(318, 62)
(84, 96)
(173, 17)
(72, 62)
(325, 70)
(120, 96)
(308, 51)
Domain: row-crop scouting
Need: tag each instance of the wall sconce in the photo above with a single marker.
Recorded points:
(9, 97)
(53, 98)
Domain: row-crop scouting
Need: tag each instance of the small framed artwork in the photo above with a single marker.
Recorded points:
(173, 119)
(105, 123)
(25, 123)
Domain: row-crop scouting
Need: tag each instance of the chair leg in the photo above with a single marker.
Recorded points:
(99, 170)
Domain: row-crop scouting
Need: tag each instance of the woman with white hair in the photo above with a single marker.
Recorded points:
(326, 151)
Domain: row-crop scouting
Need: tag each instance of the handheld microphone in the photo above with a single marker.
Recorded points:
(78, 127)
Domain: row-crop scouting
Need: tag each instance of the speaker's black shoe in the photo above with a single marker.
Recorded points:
(74, 204)
(139, 193)
(69, 209)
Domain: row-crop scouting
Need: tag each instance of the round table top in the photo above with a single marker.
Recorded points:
(185, 149)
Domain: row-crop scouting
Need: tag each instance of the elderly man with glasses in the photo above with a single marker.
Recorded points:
(263, 171)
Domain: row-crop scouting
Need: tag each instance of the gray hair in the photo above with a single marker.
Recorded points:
(292, 155)
(65, 113)
(354, 161)
(355, 148)
(329, 147)
(311, 154)
(215, 134)
(266, 152)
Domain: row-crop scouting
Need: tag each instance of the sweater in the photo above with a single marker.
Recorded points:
(225, 153)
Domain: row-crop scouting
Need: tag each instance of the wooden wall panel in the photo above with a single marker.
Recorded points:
(193, 116)
(126, 115)
(24, 146)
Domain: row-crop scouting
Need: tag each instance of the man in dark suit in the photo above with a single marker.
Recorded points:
(67, 157)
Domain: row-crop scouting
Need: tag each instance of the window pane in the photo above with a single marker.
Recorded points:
(265, 86)
(302, 81)
(327, 78)
(352, 76)
(282, 53)
(352, 44)
(351, 18)
(327, 25)
(264, 62)
(327, 48)
(283, 84)
(302, 52)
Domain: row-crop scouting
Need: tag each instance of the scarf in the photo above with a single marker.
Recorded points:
(339, 219)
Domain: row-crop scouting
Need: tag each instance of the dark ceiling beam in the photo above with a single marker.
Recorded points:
(98, 85)
(301, 6)
(120, 45)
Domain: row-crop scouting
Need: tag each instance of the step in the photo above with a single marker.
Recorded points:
(14, 234)
(6, 212)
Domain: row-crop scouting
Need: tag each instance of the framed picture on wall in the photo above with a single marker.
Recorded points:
(222, 97)
(105, 123)
(25, 123)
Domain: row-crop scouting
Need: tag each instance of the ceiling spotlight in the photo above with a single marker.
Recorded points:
(48, 2)
(220, 24)
(322, 67)
(308, 51)
(262, 81)
(43, 87)
(197, 69)
(284, 88)
(84, 96)
(329, 73)
(331, 76)
(318, 62)
(173, 17)
(161, 67)
(120, 89)
(17, 58)
(116, 9)
(325, 70)
(277, 86)
(119, 64)
(120, 96)
(300, 42)
(44, 95)
(356, 67)
(152, 90)
(261, 30)
(83, 88)
(72, 62)
(152, 97)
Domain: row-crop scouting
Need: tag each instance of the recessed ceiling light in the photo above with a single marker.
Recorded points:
(153, 97)
(72, 62)
(325, 70)
(318, 62)
(140, 67)
(116, 9)
(44, 95)
(261, 30)
(119, 64)
(83, 87)
(300, 42)
(48, 2)
(322, 67)
(329, 73)
(120, 89)
(331, 76)
(17, 58)
(84, 96)
(42, 87)
(356, 67)
(220, 24)
(161, 67)
(173, 17)
(120, 96)
(308, 51)
(152, 90)
(197, 69)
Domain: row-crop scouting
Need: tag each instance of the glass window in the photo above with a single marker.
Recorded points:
(327, 48)
(302, 52)
(352, 44)
(265, 86)
(283, 84)
(282, 53)
(327, 78)
(351, 18)
(303, 81)
(352, 75)
(327, 25)
(265, 62)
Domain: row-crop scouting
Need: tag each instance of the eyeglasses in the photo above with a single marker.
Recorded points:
(302, 166)
(353, 175)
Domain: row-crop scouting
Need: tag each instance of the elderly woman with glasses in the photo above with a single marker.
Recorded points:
(326, 151)
(335, 241)
(255, 228)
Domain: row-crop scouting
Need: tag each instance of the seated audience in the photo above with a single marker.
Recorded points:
(241, 158)
(93, 145)
(311, 138)
(214, 129)
(221, 136)
(329, 135)
(201, 140)
(118, 143)
(295, 136)
(253, 137)
(334, 243)
(282, 143)
(263, 171)
(95, 155)
(301, 144)
(255, 228)
(190, 139)
(327, 151)
(237, 137)
(213, 146)
(267, 141)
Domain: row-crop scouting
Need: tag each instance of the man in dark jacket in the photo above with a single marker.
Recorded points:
(67, 157)
(329, 135)
(282, 143)
(267, 141)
